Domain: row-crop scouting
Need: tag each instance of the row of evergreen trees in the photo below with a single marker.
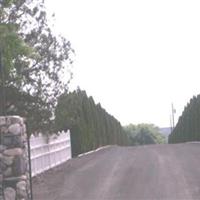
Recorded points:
(188, 126)
(91, 126)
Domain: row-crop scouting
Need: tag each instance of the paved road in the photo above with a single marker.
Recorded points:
(168, 172)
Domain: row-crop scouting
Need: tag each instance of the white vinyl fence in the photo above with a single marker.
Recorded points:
(49, 152)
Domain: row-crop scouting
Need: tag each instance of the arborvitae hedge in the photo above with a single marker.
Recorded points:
(91, 126)
(188, 126)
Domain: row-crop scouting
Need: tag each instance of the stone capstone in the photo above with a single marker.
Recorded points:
(8, 121)
(9, 193)
(16, 119)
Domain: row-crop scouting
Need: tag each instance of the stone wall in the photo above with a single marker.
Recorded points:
(14, 176)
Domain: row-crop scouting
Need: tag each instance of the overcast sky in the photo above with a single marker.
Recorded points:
(134, 57)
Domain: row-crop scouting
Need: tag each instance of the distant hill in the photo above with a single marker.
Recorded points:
(165, 131)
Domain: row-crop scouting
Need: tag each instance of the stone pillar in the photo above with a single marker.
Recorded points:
(14, 176)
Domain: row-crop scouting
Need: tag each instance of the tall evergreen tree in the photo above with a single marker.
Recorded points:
(91, 126)
(188, 126)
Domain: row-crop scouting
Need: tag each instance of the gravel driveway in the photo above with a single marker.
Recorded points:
(167, 172)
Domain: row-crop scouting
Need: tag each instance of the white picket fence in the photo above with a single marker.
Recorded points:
(49, 152)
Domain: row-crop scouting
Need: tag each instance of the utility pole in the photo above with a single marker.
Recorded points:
(173, 112)
(170, 118)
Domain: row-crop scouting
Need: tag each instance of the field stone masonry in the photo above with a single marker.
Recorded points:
(14, 175)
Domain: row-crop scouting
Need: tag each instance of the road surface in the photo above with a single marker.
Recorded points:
(167, 172)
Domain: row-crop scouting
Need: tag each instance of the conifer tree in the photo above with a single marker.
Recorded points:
(91, 126)
(188, 126)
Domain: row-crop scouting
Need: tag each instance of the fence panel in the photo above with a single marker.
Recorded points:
(49, 152)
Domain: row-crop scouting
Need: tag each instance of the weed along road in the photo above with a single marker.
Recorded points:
(153, 172)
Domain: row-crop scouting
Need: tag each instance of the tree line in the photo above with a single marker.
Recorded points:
(188, 126)
(91, 125)
(143, 134)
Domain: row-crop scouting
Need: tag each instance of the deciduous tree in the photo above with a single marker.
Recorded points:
(33, 58)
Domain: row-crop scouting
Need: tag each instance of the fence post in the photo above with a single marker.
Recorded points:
(14, 175)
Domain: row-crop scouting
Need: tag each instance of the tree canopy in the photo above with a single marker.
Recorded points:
(33, 60)
(144, 134)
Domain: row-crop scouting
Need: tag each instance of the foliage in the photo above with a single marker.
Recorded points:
(144, 134)
(35, 110)
(91, 126)
(33, 59)
(12, 46)
(188, 126)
